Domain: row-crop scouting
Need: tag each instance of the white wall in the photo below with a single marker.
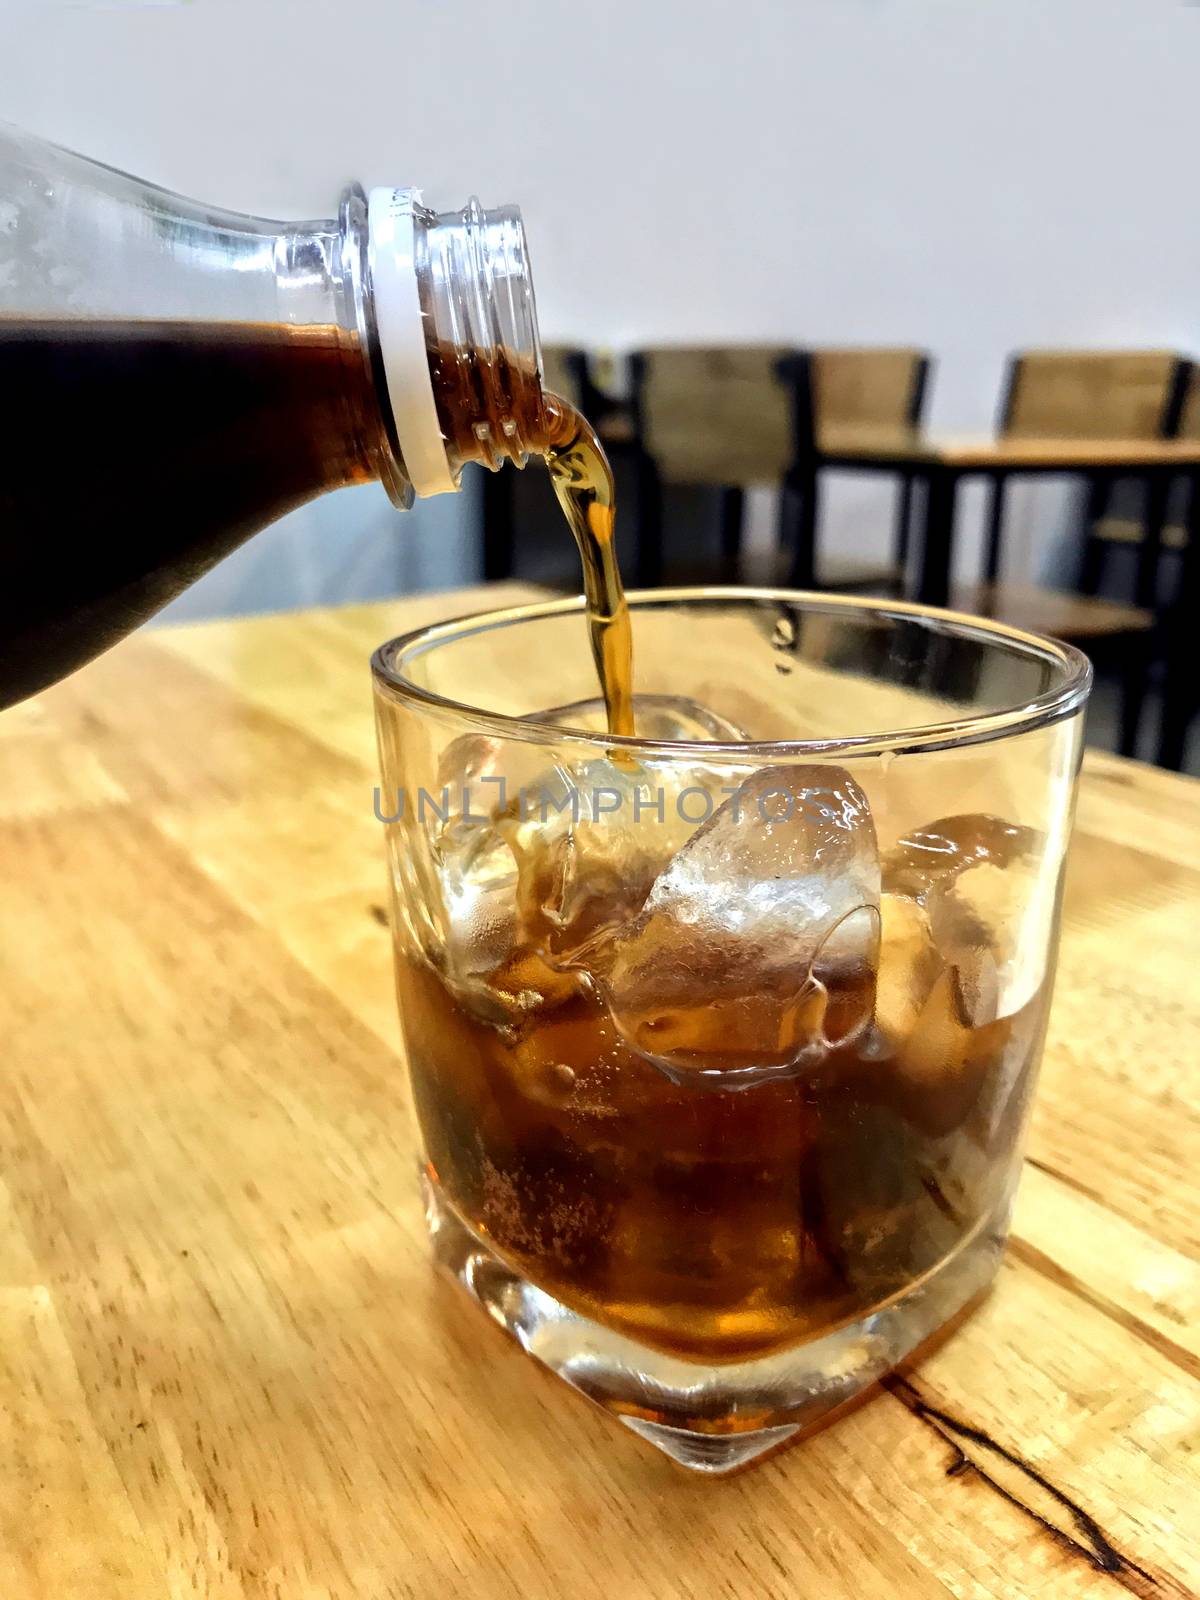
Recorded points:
(971, 177)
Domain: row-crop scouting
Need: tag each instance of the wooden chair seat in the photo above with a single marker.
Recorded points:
(1064, 616)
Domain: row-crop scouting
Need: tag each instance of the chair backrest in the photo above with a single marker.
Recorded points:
(725, 415)
(868, 387)
(1093, 394)
(1189, 415)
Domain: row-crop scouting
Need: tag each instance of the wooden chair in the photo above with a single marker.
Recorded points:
(725, 417)
(1181, 678)
(1189, 411)
(731, 417)
(1110, 530)
(1089, 394)
(1133, 394)
(869, 390)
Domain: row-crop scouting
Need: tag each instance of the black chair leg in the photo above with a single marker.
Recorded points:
(648, 563)
(1092, 565)
(1095, 550)
(918, 524)
(799, 511)
(902, 542)
(788, 519)
(1134, 682)
(1179, 708)
(997, 494)
(1149, 551)
(499, 545)
(1181, 692)
(733, 507)
(935, 562)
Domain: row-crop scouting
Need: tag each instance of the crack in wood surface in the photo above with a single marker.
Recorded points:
(1082, 1537)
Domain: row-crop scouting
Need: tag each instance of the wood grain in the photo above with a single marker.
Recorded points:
(228, 1369)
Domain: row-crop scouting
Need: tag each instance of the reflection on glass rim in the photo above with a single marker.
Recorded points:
(1062, 699)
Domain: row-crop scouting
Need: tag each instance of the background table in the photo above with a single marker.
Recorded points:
(943, 462)
(228, 1369)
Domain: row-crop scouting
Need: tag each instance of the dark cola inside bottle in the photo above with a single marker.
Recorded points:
(178, 377)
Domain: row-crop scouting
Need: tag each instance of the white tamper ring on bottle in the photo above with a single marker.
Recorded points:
(401, 327)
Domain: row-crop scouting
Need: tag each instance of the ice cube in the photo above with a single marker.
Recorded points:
(521, 860)
(755, 949)
(475, 903)
(992, 923)
(469, 758)
(937, 1062)
(933, 856)
(455, 877)
(482, 952)
(909, 966)
(462, 874)
(590, 840)
(590, 837)
(922, 1031)
(988, 898)
(558, 858)
(480, 778)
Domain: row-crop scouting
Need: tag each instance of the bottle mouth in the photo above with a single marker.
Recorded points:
(457, 336)
(481, 333)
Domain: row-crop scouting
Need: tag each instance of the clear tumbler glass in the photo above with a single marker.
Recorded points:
(722, 1037)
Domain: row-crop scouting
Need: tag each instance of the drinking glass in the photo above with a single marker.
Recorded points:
(722, 1038)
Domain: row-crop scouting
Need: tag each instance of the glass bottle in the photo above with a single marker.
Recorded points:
(177, 376)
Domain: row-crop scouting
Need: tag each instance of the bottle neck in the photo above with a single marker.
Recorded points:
(456, 333)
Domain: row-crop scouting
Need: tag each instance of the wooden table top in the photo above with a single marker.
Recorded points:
(228, 1369)
(900, 446)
